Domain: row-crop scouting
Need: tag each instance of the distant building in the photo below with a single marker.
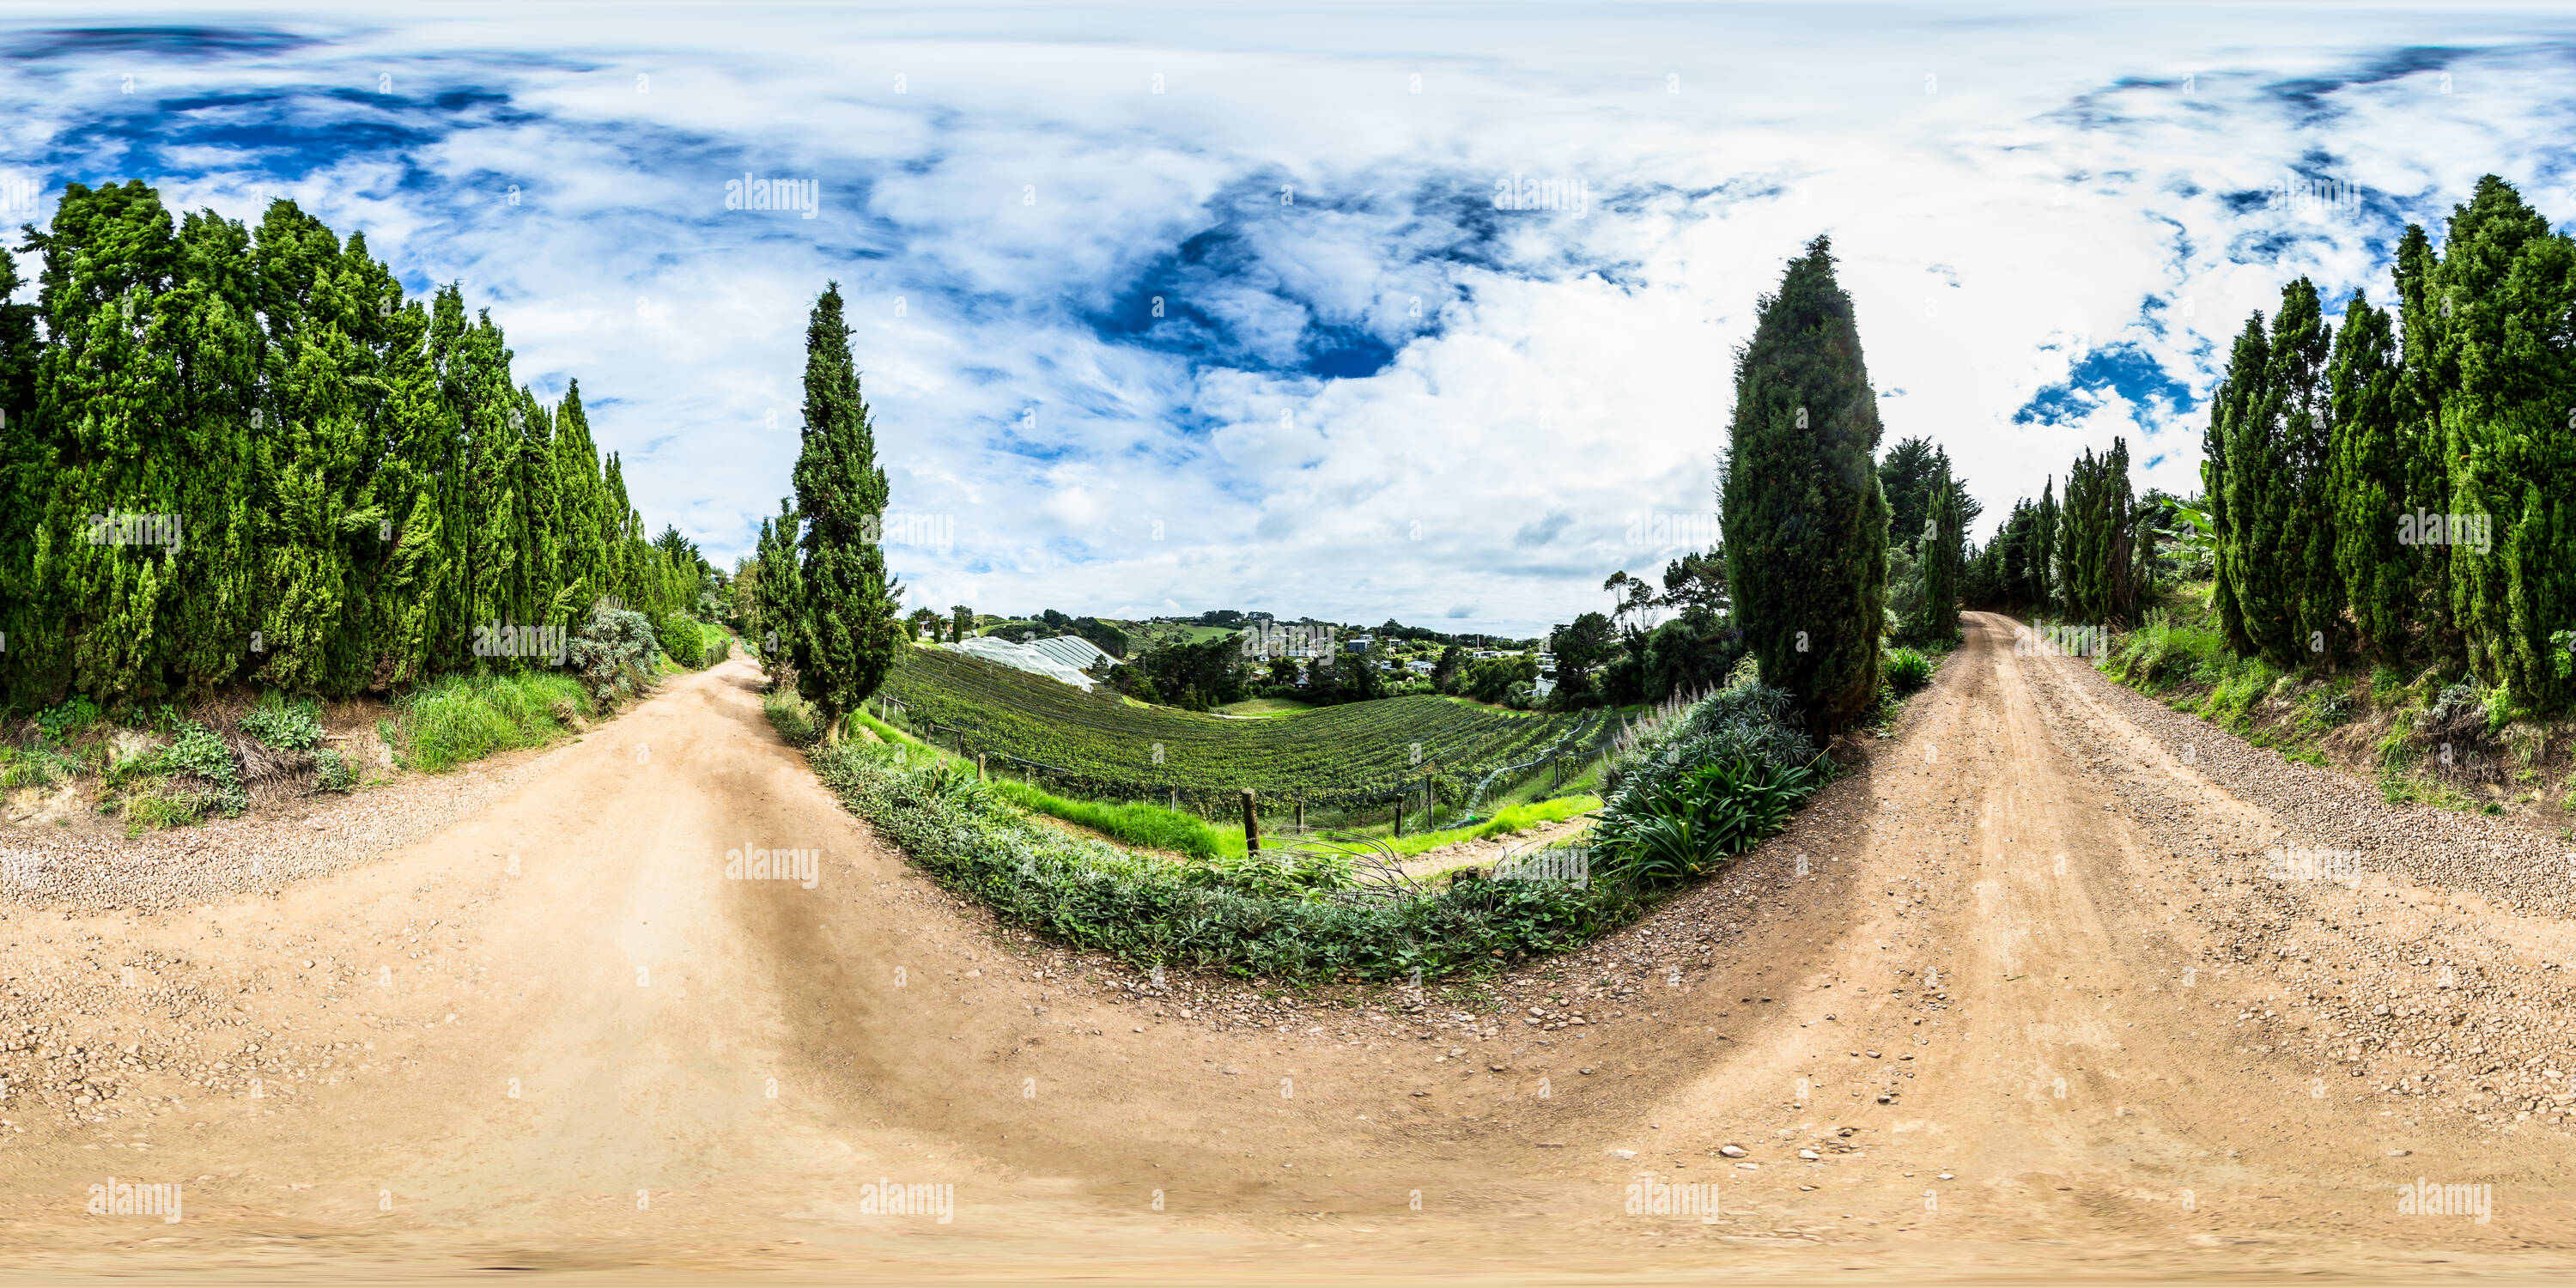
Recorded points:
(1542, 687)
(1357, 644)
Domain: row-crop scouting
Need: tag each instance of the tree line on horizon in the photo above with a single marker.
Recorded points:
(243, 454)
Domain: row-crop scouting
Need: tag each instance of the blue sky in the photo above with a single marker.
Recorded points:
(1164, 308)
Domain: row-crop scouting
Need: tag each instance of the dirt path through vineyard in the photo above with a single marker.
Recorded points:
(1986, 980)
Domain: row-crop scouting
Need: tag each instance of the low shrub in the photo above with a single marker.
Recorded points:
(199, 754)
(332, 772)
(68, 718)
(1703, 783)
(615, 655)
(1682, 829)
(682, 639)
(1907, 670)
(285, 725)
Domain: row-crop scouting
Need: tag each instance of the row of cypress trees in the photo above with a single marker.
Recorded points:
(2400, 488)
(2395, 489)
(338, 483)
(2090, 557)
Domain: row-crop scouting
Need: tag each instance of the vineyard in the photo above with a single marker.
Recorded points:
(1096, 744)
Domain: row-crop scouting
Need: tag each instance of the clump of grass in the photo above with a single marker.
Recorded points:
(467, 717)
(162, 804)
(2240, 687)
(792, 717)
(332, 772)
(38, 767)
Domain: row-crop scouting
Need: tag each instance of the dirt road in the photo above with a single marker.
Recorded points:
(2018, 984)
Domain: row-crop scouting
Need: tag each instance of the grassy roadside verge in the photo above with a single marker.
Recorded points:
(467, 717)
(2431, 736)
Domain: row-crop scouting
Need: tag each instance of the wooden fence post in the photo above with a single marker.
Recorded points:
(961, 742)
(1301, 811)
(1251, 824)
(1399, 816)
(979, 766)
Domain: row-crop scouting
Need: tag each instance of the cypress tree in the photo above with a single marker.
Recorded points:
(584, 573)
(780, 593)
(623, 532)
(2505, 287)
(26, 466)
(2231, 474)
(1943, 556)
(2262, 548)
(110, 398)
(2093, 556)
(2370, 473)
(2043, 548)
(2311, 593)
(313, 452)
(1806, 525)
(2423, 376)
(1905, 479)
(848, 634)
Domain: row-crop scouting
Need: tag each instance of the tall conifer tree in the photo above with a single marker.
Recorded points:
(849, 633)
(1806, 526)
